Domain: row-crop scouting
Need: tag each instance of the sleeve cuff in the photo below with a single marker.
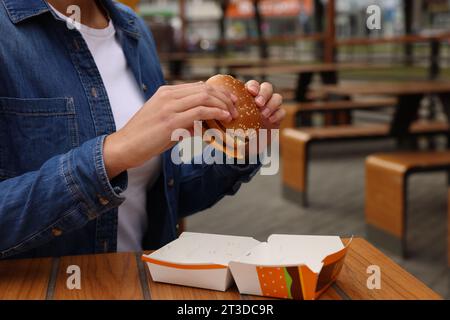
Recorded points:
(85, 173)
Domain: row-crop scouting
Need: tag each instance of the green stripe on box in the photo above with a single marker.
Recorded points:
(288, 279)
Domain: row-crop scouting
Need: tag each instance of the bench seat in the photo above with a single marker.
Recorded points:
(386, 193)
(295, 146)
(292, 109)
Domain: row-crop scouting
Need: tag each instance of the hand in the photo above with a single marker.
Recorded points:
(148, 133)
(268, 102)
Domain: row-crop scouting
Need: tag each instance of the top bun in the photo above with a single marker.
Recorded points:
(249, 116)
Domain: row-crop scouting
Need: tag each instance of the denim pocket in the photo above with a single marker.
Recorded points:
(34, 130)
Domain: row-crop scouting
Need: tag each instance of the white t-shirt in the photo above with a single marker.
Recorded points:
(126, 99)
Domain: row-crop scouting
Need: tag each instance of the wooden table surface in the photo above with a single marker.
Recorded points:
(386, 88)
(124, 276)
(298, 68)
(222, 62)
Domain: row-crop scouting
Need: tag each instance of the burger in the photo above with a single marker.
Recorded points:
(237, 135)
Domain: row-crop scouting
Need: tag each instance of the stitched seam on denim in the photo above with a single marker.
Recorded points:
(101, 170)
(41, 106)
(73, 188)
(90, 82)
(37, 114)
(74, 58)
(73, 124)
(39, 233)
(13, 13)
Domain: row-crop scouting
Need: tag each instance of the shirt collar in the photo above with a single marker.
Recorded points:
(20, 10)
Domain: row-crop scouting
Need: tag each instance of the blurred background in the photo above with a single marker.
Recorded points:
(365, 146)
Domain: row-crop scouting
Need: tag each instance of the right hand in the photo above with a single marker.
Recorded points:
(148, 132)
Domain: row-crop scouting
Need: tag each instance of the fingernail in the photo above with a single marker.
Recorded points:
(234, 98)
(266, 112)
(227, 115)
(260, 100)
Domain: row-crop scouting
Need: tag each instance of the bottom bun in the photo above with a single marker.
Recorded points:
(231, 146)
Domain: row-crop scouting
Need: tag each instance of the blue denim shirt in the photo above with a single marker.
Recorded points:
(55, 196)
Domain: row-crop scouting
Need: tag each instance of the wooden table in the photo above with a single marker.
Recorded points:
(328, 73)
(125, 276)
(408, 93)
(434, 39)
(178, 61)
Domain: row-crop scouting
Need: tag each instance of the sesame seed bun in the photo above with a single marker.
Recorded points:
(248, 123)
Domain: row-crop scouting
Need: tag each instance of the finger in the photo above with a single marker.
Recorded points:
(199, 99)
(183, 90)
(272, 106)
(277, 117)
(186, 119)
(218, 97)
(229, 98)
(253, 87)
(264, 95)
(182, 85)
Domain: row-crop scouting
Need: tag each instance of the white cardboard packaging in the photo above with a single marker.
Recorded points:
(198, 260)
(286, 266)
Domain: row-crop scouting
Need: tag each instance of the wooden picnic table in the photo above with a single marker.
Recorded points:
(123, 276)
(328, 73)
(408, 93)
(178, 61)
(435, 39)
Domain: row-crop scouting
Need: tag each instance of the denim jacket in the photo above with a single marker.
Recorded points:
(55, 196)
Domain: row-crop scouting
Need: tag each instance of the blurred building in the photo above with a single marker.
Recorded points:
(283, 17)
(202, 30)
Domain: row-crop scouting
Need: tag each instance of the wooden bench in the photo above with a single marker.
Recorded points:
(386, 193)
(293, 109)
(295, 144)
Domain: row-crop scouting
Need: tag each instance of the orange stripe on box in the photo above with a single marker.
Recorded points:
(308, 281)
(184, 266)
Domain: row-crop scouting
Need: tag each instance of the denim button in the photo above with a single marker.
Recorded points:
(56, 232)
(94, 92)
(144, 87)
(170, 182)
(103, 201)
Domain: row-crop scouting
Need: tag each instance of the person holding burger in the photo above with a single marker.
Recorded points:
(85, 133)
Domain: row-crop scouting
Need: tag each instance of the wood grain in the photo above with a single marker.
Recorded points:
(396, 283)
(385, 185)
(370, 130)
(294, 146)
(115, 276)
(24, 279)
(395, 40)
(297, 68)
(104, 276)
(386, 88)
(385, 196)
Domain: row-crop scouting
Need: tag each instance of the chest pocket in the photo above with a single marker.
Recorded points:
(34, 130)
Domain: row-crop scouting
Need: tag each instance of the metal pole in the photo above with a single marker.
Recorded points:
(263, 50)
(319, 26)
(408, 7)
(330, 35)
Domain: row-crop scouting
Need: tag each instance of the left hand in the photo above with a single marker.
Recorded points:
(268, 102)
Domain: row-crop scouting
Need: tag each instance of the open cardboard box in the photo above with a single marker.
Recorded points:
(286, 266)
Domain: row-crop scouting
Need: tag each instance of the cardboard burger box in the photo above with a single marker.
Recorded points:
(286, 266)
